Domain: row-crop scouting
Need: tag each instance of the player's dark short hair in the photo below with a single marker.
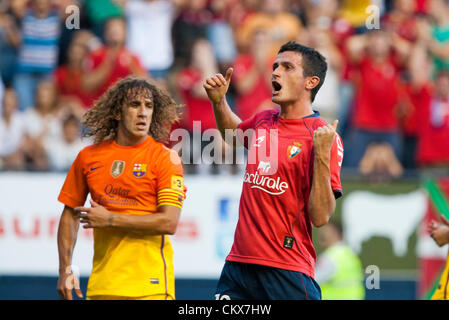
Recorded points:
(313, 63)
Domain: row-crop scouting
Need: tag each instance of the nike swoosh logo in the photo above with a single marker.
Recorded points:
(92, 169)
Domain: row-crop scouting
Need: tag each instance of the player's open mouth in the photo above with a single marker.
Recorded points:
(141, 125)
(276, 87)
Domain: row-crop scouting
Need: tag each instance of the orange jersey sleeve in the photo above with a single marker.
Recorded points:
(170, 181)
(75, 189)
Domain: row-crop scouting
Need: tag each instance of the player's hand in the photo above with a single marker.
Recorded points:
(323, 138)
(217, 86)
(67, 281)
(96, 216)
(440, 231)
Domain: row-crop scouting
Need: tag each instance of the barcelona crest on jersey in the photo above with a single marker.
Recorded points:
(139, 169)
(293, 150)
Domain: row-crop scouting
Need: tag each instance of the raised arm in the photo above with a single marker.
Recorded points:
(216, 88)
(356, 46)
(67, 234)
(322, 202)
(94, 79)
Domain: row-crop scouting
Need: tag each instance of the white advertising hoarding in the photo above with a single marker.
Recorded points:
(30, 212)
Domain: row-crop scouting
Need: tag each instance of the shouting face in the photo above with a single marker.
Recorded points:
(287, 79)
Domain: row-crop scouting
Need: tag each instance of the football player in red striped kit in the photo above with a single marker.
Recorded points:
(272, 256)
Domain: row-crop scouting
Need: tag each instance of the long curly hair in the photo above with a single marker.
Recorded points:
(100, 121)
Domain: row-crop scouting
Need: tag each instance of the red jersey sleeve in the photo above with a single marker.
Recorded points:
(170, 182)
(75, 189)
(337, 152)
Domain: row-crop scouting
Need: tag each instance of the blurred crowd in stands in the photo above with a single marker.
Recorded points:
(387, 81)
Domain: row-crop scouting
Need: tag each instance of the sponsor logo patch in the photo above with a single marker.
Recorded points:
(264, 166)
(288, 242)
(268, 184)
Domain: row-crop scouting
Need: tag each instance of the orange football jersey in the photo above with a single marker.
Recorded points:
(132, 180)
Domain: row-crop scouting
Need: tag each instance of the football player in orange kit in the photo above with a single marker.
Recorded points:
(136, 187)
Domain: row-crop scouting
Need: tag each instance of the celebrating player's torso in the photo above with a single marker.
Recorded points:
(274, 228)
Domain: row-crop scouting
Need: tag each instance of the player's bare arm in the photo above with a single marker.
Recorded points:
(440, 231)
(67, 234)
(322, 200)
(216, 88)
(164, 221)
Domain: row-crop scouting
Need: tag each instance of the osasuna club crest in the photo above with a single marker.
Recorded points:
(117, 168)
(293, 150)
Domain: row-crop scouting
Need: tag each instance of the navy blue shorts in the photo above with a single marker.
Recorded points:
(244, 281)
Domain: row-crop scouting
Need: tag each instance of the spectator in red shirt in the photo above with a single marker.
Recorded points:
(324, 16)
(111, 62)
(378, 92)
(198, 110)
(433, 133)
(68, 78)
(418, 91)
(402, 20)
(190, 86)
(429, 117)
(252, 76)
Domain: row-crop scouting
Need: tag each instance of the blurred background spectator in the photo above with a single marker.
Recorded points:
(2, 91)
(378, 91)
(190, 25)
(196, 116)
(63, 148)
(12, 133)
(252, 76)
(11, 15)
(274, 18)
(68, 77)
(41, 123)
(112, 61)
(338, 270)
(149, 36)
(38, 50)
(388, 86)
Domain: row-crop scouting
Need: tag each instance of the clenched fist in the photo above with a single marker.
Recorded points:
(217, 86)
(323, 138)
